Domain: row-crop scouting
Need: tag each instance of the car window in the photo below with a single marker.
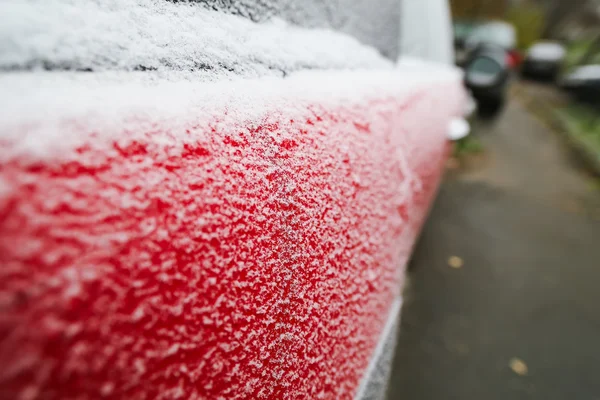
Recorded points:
(154, 38)
(484, 65)
(371, 22)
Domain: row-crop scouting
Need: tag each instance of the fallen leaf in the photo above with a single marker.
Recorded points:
(518, 366)
(455, 262)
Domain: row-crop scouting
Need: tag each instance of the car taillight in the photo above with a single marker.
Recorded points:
(513, 58)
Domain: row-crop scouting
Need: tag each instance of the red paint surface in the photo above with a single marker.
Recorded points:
(257, 263)
(513, 58)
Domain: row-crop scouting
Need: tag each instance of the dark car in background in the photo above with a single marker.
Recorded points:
(487, 54)
(487, 75)
(543, 60)
(583, 83)
(497, 33)
(582, 78)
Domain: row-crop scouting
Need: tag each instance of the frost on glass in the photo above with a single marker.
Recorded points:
(165, 37)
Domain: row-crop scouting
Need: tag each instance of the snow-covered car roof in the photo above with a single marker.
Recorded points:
(551, 51)
(585, 73)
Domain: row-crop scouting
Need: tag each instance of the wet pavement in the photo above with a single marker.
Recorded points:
(517, 315)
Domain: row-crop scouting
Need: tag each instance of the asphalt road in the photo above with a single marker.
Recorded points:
(520, 319)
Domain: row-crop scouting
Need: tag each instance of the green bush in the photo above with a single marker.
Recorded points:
(467, 145)
(576, 51)
(583, 126)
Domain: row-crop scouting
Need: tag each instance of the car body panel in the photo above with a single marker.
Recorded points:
(207, 255)
(224, 220)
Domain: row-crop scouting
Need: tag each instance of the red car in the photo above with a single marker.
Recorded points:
(216, 200)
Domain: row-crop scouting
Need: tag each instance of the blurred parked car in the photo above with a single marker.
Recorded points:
(498, 33)
(583, 83)
(543, 60)
(487, 75)
(487, 54)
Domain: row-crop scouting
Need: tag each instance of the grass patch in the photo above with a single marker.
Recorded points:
(466, 146)
(576, 50)
(583, 129)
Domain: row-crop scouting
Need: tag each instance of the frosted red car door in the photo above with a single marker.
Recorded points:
(202, 235)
